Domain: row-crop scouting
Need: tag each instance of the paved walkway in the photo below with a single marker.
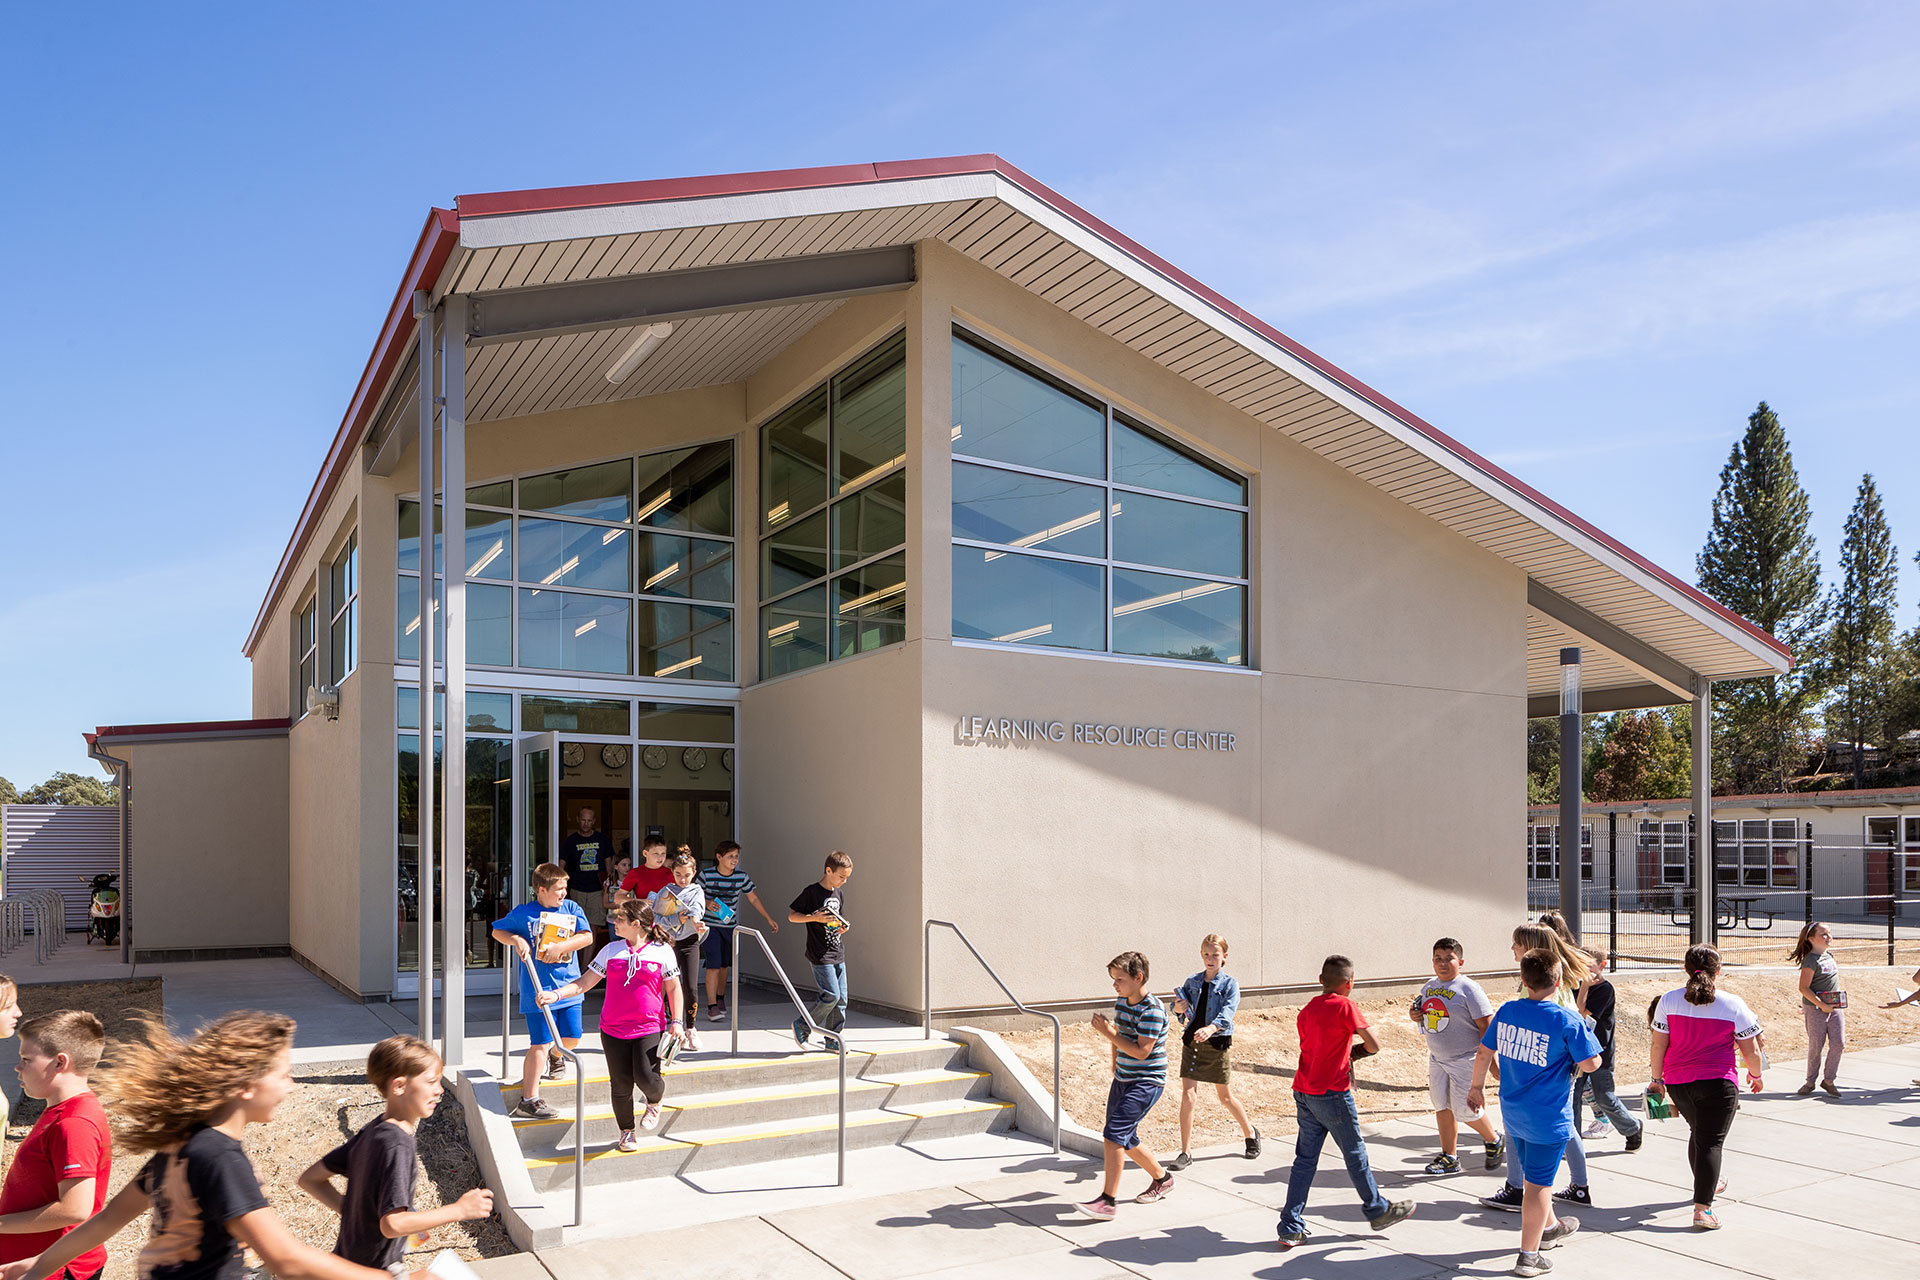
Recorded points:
(1815, 1183)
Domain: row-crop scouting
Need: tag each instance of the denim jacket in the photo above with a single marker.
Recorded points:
(1222, 1001)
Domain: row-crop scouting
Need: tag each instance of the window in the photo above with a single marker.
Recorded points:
(1903, 834)
(343, 598)
(617, 568)
(1543, 851)
(1757, 853)
(1075, 527)
(833, 517)
(1663, 846)
(307, 645)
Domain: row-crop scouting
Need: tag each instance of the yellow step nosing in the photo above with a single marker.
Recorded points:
(755, 1133)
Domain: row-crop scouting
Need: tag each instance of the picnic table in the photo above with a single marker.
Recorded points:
(1729, 913)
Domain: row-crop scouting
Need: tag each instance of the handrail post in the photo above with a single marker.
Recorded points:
(806, 1015)
(579, 1097)
(926, 996)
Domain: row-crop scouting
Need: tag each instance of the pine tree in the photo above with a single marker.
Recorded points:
(1859, 646)
(1760, 562)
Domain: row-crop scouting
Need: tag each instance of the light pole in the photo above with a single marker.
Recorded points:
(1570, 787)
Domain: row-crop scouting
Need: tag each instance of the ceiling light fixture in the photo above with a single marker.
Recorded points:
(644, 344)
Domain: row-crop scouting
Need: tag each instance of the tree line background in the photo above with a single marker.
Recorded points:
(1846, 716)
(61, 788)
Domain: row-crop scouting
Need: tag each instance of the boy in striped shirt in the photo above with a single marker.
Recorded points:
(725, 884)
(1138, 1034)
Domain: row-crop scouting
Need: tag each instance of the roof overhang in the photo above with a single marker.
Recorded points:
(560, 276)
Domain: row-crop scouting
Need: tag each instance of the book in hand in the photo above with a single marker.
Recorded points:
(834, 919)
(720, 913)
(447, 1265)
(669, 1050)
(1902, 994)
(555, 927)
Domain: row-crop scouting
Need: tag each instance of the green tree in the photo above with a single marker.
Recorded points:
(7, 793)
(70, 788)
(1859, 648)
(1760, 561)
(1642, 755)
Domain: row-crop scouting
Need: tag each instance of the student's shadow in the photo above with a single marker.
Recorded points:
(1180, 1244)
(1287, 1073)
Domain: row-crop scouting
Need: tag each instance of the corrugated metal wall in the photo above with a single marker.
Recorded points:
(58, 847)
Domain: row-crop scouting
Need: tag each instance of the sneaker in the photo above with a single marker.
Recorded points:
(1100, 1207)
(1532, 1264)
(1830, 1087)
(1635, 1139)
(1398, 1211)
(556, 1066)
(1703, 1220)
(1574, 1193)
(1554, 1236)
(800, 1033)
(629, 1141)
(650, 1118)
(717, 1012)
(536, 1109)
(693, 1038)
(1497, 1152)
(1253, 1146)
(1805, 1090)
(1599, 1128)
(1294, 1239)
(1508, 1197)
(1179, 1162)
(1444, 1163)
(1157, 1190)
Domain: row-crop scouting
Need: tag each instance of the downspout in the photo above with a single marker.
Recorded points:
(123, 770)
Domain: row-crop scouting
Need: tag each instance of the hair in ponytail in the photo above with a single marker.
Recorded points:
(1575, 968)
(634, 911)
(1703, 966)
(1558, 923)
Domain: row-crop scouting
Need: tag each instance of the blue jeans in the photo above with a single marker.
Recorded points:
(1322, 1114)
(1606, 1102)
(830, 1009)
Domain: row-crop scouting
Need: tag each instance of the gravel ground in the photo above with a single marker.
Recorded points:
(1266, 1048)
(330, 1102)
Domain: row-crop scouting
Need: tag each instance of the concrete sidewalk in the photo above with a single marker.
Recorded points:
(1814, 1183)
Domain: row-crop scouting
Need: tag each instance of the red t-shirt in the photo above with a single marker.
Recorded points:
(644, 882)
(70, 1140)
(1327, 1024)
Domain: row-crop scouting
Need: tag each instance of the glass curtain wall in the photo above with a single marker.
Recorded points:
(1076, 527)
(833, 577)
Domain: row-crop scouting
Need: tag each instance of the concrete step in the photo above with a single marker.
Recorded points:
(712, 1071)
(699, 1149)
(733, 1108)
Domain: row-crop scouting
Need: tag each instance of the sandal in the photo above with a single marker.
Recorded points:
(1703, 1220)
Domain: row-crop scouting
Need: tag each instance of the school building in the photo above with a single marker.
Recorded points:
(907, 509)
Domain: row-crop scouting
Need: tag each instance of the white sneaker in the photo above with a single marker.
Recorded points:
(628, 1142)
(693, 1039)
(650, 1119)
(1599, 1128)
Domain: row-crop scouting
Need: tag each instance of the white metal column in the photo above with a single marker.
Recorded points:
(1703, 869)
(423, 315)
(453, 478)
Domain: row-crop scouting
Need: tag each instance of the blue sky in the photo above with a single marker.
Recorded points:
(1585, 240)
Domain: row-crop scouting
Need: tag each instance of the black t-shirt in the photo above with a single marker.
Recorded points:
(823, 940)
(379, 1166)
(583, 856)
(1600, 1009)
(197, 1188)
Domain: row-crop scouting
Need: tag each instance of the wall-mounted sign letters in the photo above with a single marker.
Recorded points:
(1007, 729)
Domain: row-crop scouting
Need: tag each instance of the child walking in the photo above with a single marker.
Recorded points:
(1453, 1012)
(1206, 1002)
(380, 1163)
(554, 964)
(642, 1011)
(1137, 1033)
(678, 909)
(1573, 967)
(1540, 1045)
(1696, 1031)
(189, 1103)
(725, 885)
(58, 1178)
(1608, 1110)
(1822, 1003)
(1323, 1101)
(821, 907)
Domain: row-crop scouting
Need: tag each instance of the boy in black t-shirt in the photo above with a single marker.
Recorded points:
(821, 907)
(379, 1162)
(1606, 1102)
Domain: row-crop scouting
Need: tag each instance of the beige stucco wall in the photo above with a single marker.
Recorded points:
(273, 674)
(209, 843)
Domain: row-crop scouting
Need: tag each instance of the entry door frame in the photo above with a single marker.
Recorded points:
(525, 747)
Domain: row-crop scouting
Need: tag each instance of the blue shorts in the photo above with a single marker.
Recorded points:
(1128, 1102)
(1539, 1161)
(716, 949)
(567, 1019)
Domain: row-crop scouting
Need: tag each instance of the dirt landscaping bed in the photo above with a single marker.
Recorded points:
(330, 1102)
(1266, 1048)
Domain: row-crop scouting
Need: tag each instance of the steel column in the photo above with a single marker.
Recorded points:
(453, 482)
(1570, 788)
(1613, 887)
(423, 315)
(1703, 871)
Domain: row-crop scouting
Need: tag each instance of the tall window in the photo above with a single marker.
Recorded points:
(307, 645)
(833, 517)
(1665, 858)
(343, 598)
(617, 568)
(1902, 835)
(1757, 853)
(1543, 851)
(1075, 527)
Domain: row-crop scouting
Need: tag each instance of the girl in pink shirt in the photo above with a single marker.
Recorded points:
(642, 1010)
(1696, 1032)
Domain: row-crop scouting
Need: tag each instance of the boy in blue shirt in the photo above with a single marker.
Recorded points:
(1541, 1046)
(556, 962)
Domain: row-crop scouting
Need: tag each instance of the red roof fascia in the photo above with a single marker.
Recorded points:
(436, 244)
(209, 728)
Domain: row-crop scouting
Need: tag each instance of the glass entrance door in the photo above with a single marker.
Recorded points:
(536, 807)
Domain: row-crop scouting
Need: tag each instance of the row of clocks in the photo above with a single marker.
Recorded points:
(653, 758)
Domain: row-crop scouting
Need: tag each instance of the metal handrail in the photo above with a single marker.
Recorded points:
(579, 1076)
(733, 1010)
(926, 999)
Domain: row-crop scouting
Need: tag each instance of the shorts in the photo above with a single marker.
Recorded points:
(716, 949)
(594, 904)
(1539, 1161)
(1128, 1102)
(1447, 1085)
(567, 1019)
(1205, 1061)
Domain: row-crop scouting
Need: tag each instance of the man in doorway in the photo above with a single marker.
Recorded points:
(584, 853)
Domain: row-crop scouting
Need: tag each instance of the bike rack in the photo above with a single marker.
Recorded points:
(733, 1010)
(926, 1003)
(579, 1076)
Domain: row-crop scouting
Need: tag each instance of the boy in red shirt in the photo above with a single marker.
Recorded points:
(1323, 1100)
(58, 1178)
